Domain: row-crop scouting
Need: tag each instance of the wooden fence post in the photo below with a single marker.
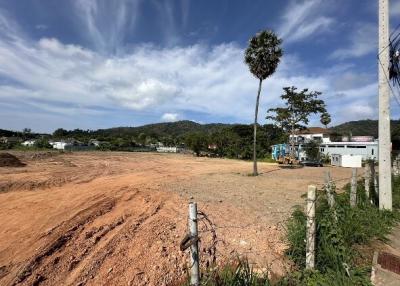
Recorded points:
(310, 240)
(194, 248)
(367, 179)
(353, 189)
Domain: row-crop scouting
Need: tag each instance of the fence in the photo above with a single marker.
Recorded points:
(192, 239)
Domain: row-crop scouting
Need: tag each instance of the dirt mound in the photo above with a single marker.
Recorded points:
(8, 160)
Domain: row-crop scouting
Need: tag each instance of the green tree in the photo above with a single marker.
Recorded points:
(299, 106)
(312, 150)
(262, 56)
(325, 119)
(60, 133)
(42, 143)
(197, 142)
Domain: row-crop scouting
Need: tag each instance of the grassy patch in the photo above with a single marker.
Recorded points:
(343, 241)
(339, 259)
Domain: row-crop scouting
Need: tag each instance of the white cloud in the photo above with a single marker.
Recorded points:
(107, 22)
(302, 19)
(170, 117)
(197, 79)
(364, 40)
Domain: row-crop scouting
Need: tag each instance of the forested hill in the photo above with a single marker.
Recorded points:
(364, 127)
(174, 129)
(181, 128)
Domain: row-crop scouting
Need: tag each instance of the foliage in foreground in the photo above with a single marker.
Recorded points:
(340, 234)
(338, 260)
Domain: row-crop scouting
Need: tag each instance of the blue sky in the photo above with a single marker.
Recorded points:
(96, 64)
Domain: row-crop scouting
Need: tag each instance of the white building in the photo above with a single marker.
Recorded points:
(312, 133)
(365, 146)
(59, 145)
(169, 149)
(347, 161)
(28, 143)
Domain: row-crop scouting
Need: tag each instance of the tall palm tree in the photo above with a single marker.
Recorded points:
(262, 56)
(325, 119)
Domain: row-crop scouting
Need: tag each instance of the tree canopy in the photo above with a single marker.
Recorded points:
(299, 105)
(263, 54)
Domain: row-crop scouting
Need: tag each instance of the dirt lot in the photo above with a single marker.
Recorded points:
(118, 218)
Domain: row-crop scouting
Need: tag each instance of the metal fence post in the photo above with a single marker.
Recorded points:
(310, 239)
(353, 189)
(194, 248)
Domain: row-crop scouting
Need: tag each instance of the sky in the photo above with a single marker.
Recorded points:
(96, 64)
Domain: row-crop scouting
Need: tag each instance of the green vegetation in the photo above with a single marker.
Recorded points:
(343, 251)
(239, 273)
(231, 140)
(325, 119)
(299, 106)
(312, 150)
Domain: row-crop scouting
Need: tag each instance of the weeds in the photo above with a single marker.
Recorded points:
(340, 233)
(337, 257)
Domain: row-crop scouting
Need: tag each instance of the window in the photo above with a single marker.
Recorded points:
(363, 147)
(372, 151)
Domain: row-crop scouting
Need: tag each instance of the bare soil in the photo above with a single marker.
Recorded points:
(118, 218)
(9, 160)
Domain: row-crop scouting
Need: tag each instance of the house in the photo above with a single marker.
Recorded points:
(64, 144)
(365, 146)
(10, 140)
(313, 133)
(169, 149)
(29, 143)
(59, 145)
(94, 142)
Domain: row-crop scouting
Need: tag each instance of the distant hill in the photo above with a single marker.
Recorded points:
(363, 127)
(176, 129)
(164, 129)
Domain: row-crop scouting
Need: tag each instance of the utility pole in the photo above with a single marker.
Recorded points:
(385, 179)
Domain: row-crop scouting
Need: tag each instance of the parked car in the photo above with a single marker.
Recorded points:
(312, 163)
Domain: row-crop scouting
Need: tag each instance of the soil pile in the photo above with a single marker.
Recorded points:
(8, 160)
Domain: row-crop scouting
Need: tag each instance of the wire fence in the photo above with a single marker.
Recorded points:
(210, 241)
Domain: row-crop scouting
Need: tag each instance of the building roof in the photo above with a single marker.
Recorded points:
(313, 130)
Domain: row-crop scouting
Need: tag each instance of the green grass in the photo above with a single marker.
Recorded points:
(338, 242)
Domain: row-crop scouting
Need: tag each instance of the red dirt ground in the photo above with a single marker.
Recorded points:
(118, 218)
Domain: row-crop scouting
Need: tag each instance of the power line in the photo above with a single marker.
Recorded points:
(390, 86)
(390, 41)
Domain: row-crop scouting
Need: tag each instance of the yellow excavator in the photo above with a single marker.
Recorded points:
(288, 160)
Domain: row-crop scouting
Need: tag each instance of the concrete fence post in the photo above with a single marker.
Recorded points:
(310, 235)
(396, 166)
(353, 188)
(194, 248)
(367, 179)
(375, 178)
(329, 190)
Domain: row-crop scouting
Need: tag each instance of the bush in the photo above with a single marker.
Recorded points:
(337, 240)
(240, 273)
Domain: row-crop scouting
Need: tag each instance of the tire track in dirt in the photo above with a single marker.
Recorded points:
(58, 239)
(124, 236)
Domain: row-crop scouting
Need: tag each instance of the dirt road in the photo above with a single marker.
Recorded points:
(118, 218)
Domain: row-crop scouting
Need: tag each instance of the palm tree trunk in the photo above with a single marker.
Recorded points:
(255, 172)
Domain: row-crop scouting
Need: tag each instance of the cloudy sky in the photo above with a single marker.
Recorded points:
(97, 64)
